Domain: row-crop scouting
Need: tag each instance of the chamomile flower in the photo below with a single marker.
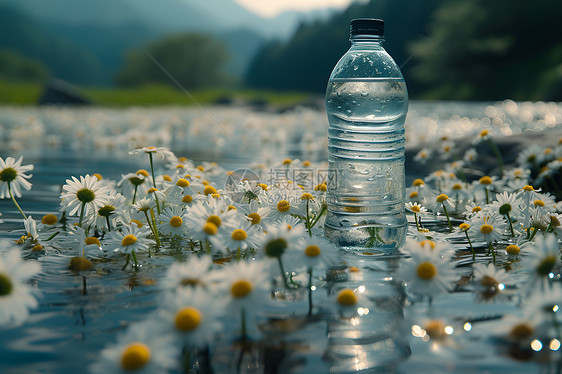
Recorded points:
(86, 195)
(194, 272)
(490, 282)
(427, 273)
(245, 283)
(257, 215)
(314, 252)
(130, 239)
(163, 152)
(283, 203)
(174, 221)
(30, 228)
(141, 349)
(133, 185)
(105, 216)
(16, 297)
(13, 177)
(545, 303)
(487, 227)
(243, 236)
(543, 260)
(422, 156)
(192, 316)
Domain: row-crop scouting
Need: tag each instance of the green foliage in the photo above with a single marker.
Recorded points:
(15, 67)
(19, 93)
(194, 60)
(488, 50)
(306, 61)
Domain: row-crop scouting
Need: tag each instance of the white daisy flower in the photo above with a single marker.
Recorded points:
(283, 202)
(163, 152)
(86, 193)
(490, 282)
(243, 236)
(130, 239)
(174, 221)
(257, 215)
(143, 349)
(487, 227)
(542, 261)
(246, 284)
(16, 297)
(30, 228)
(282, 237)
(192, 316)
(134, 185)
(13, 177)
(427, 273)
(105, 216)
(194, 272)
(314, 252)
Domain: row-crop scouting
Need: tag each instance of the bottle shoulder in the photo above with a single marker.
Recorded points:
(366, 63)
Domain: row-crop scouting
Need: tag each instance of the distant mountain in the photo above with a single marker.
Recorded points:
(23, 35)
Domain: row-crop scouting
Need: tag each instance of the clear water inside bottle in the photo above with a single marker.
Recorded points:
(366, 189)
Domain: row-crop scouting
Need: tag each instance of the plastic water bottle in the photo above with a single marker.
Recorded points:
(366, 103)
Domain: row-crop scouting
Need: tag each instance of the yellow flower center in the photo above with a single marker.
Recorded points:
(307, 196)
(241, 288)
(312, 251)
(37, 248)
(255, 218)
(539, 203)
(321, 187)
(209, 190)
(287, 161)
(464, 226)
(176, 221)
(418, 182)
(263, 186)
(435, 329)
(239, 235)
(137, 222)
(49, 219)
(476, 209)
(215, 219)
(187, 319)
(79, 264)
(283, 206)
(546, 265)
(231, 207)
(483, 133)
(182, 183)
(128, 240)
(187, 199)
(142, 172)
(134, 356)
(85, 195)
(167, 178)
(152, 190)
(457, 186)
(485, 180)
(415, 208)
(8, 175)
(92, 240)
(414, 194)
(442, 198)
(512, 250)
(5, 285)
(347, 297)
(426, 271)
(521, 331)
(486, 229)
(210, 228)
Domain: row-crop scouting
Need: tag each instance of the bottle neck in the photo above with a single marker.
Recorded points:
(366, 40)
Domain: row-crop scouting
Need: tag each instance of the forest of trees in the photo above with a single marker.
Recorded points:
(469, 50)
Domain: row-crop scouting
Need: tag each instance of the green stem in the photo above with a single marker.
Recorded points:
(493, 252)
(416, 219)
(283, 275)
(108, 223)
(308, 220)
(82, 213)
(243, 324)
(320, 214)
(134, 258)
(15, 202)
(127, 258)
(208, 246)
(52, 236)
(135, 193)
(487, 195)
(548, 228)
(238, 254)
(471, 247)
(447, 215)
(310, 291)
(510, 225)
(534, 233)
(154, 181)
(156, 236)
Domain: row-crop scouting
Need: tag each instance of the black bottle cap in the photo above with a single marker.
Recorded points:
(367, 26)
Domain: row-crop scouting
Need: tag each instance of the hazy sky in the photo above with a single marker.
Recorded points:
(270, 8)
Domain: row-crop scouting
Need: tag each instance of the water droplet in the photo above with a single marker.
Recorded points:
(355, 67)
(364, 93)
